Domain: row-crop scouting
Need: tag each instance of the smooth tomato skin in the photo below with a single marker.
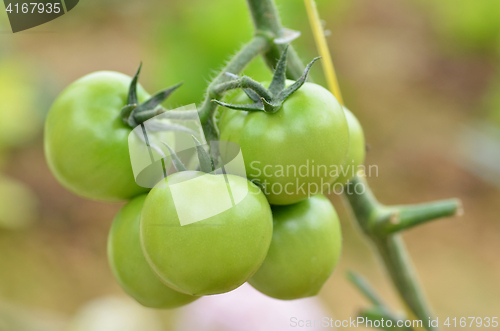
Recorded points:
(86, 142)
(305, 249)
(310, 130)
(357, 149)
(214, 255)
(129, 265)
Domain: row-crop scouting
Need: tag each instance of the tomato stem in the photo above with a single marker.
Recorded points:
(378, 313)
(258, 45)
(382, 224)
(363, 285)
(266, 19)
(373, 218)
(367, 209)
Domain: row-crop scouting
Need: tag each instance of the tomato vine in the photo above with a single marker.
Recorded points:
(381, 224)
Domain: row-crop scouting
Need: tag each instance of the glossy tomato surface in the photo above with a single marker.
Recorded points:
(213, 254)
(295, 152)
(305, 249)
(86, 142)
(129, 265)
(357, 149)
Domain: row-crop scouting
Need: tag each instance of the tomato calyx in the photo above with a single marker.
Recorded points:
(134, 113)
(206, 162)
(268, 100)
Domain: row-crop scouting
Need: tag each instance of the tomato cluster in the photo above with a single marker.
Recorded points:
(285, 245)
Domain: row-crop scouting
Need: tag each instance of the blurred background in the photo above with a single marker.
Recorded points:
(422, 76)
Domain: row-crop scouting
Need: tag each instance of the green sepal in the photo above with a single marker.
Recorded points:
(206, 164)
(286, 93)
(178, 165)
(158, 98)
(267, 100)
(151, 104)
(251, 107)
(279, 78)
(258, 184)
(132, 91)
(252, 95)
(125, 113)
(271, 107)
(134, 113)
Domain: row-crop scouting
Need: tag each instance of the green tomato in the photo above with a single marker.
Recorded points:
(305, 249)
(129, 266)
(216, 254)
(295, 152)
(86, 142)
(357, 149)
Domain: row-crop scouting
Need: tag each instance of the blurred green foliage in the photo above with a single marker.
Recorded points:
(492, 100)
(190, 43)
(21, 117)
(471, 25)
(21, 121)
(18, 204)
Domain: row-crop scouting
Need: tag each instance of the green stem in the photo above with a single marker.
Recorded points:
(398, 263)
(365, 288)
(268, 27)
(243, 83)
(145, 115)
(380, 313)
(265, 16)
(258, 45)
(267, 21)
(373, 217)
(375, 221)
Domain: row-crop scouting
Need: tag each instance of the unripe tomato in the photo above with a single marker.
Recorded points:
(305, 249)
(129, 265)
(357, 149)
(295, 152)
(86, 142)
(216, 254)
